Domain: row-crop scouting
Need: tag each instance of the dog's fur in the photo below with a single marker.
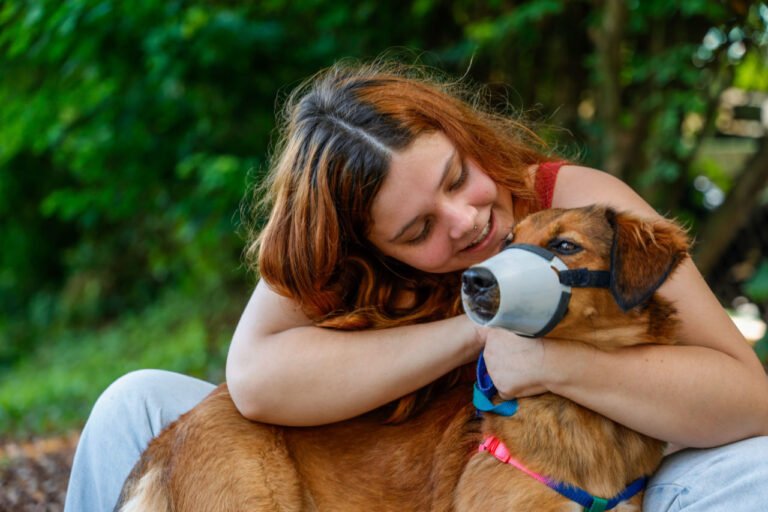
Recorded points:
(214, 459)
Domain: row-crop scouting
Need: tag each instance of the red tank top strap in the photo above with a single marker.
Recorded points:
(546, 177)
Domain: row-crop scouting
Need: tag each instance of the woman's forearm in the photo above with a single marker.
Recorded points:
(309, 375)
(687, 395)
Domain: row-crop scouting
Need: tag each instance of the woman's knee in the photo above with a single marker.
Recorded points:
(132, 390)
(748, 455)
(730, 477)
(152, 397)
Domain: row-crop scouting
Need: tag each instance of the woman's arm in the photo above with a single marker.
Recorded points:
(708, 390)
(283, 370)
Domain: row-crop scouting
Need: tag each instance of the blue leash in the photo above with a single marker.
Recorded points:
(484, 391)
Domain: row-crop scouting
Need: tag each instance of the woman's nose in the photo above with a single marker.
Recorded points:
(461, 219)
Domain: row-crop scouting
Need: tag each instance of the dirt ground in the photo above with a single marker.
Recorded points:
(34, 473)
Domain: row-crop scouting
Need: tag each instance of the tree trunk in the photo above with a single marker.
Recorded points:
(607, 39)
(718, 233)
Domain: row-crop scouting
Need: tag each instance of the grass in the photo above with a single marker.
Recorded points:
(53, 389)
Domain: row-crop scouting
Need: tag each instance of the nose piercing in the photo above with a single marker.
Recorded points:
(474, 228)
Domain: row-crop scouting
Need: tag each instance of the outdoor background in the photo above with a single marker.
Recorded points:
(131, 131)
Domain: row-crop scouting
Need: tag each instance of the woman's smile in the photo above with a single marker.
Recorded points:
(483, 238)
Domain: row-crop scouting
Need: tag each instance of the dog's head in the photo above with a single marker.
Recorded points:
(635, 257)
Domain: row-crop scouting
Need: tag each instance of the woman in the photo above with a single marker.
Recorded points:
(385, 186)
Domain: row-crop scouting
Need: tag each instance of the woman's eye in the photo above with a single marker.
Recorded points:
(562, 246)
(422, 235)
(459, 181)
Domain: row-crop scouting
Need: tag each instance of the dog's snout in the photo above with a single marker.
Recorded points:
(477, 280)
(481, 291)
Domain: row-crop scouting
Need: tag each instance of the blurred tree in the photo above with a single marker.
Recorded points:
(638, 86)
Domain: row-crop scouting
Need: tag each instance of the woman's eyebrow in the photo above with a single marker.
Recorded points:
(446, 170)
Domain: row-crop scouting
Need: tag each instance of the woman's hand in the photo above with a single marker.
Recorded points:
(516, 364)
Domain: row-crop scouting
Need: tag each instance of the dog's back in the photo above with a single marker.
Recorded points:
(212, 458)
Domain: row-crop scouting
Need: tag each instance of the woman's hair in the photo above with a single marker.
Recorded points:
(339, 130)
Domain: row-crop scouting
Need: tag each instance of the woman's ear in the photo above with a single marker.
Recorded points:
(643, 255)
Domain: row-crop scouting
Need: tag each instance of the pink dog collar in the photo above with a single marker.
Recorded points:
(498, 449)
(495, 447)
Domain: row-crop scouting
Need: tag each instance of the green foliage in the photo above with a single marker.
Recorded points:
(54, 388)
(753, 74)
(757, 286)
(127, 138)
(761, 348)
(518, 21)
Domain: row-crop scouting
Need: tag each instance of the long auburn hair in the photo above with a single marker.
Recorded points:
(338, 132)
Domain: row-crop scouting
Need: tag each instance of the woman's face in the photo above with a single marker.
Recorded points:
(436, 212)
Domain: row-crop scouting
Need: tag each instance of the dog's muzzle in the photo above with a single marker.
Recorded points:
(518, 289)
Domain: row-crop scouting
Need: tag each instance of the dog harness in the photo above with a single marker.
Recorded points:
(495, 447)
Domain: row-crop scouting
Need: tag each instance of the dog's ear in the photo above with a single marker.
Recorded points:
(643, 255)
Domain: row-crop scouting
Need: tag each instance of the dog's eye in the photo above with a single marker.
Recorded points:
(563, 246)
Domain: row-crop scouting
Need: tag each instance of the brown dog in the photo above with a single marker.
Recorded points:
(214, 459)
